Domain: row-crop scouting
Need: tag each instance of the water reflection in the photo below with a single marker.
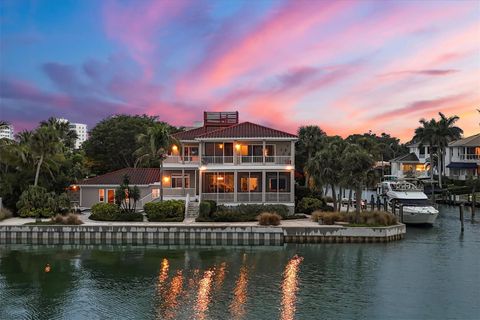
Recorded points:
(203, 297)
(220, 275)
(171, 297)
(237, 307)
(290, 288)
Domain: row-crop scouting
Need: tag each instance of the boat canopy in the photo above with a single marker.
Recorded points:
(462, 165)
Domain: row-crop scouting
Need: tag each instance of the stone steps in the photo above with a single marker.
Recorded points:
(192, 210)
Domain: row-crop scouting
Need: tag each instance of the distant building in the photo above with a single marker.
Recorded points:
(7, 133)
(80, 129)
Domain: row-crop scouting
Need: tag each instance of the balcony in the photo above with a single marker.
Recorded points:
(249, 197)
(182, 160)
(474, 157)
(247, 160)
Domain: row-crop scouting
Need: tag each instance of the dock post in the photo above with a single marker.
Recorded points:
(400, 211)
(474, 205)
(461, 215)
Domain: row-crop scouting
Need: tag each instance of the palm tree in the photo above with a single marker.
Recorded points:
(324, 167)
(356, 163)
(445, 131)
(62, 128)
(44, 143)
(155, 144)
(310, 140)
(425, 135)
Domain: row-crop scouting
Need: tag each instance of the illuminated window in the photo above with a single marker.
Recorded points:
(111, 195)
(101, 195)
(155, 193)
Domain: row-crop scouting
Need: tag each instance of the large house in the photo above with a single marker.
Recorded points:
(224, 160)
(462, 159)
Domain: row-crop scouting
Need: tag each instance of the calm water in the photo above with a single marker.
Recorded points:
(432, 274)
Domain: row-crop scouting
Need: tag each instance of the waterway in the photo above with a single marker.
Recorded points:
(432, 274)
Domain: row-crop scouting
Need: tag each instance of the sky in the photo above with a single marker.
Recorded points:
(346, 66)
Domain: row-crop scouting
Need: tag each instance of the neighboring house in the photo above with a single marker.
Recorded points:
(463, 158)
(224, 160)
(414, 164)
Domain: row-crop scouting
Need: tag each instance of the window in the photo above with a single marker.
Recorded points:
(249, 182)
(101, 195)
(177, 181)
(155, 193)
(278, 181)
(111, 195)
(218, 182)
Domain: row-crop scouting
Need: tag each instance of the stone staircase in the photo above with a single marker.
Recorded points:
(192, 210)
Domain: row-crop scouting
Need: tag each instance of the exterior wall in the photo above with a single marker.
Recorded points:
(462, 154)
(7, 133)
(89, 194)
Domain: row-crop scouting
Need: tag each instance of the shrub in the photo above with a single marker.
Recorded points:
(205, 210)
(5, 214)
(269, 219)
(366, 218)
(166, 211)
(37, 202)
(70, 219)
(111, 212)
(309, 205)
(213, 205)
(328, 199)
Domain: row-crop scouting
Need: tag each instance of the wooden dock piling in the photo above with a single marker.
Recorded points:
(461, 216)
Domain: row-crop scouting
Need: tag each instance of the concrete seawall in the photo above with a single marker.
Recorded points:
(195, 235)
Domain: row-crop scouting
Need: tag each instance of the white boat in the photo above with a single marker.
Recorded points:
(417, 209)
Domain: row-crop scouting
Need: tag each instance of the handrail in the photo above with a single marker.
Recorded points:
(187, 200)
(142, 200)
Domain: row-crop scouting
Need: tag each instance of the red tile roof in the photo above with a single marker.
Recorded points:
(247, 130)
(193, 133)
(137, 176)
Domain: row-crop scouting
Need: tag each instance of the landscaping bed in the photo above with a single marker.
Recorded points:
(166, 211)
(364, 219)
(210, 212)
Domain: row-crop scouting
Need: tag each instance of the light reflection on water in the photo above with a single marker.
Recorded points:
(203, 296)
(237, 306)
(290, 288)
(171, 298)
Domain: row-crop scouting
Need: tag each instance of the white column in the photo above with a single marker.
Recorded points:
(183, 181)
(200, 185)
(200, 152)
(182, 153)
(292, 185)
(264, 184)
(292, 153)
(263, 151)
(235, 178)
(195, 181)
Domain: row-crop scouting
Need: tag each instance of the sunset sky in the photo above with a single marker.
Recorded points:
(347, 66)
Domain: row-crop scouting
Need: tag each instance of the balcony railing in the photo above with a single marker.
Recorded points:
(219, 197)
(180, 159)
(247, 160)
(277, 197)
(249, 197)
(469, 157)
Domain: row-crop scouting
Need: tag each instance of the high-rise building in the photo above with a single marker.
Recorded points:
(80, 129)
(7, 132)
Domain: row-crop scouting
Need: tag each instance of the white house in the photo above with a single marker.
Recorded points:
(7, 132)
(462, 158)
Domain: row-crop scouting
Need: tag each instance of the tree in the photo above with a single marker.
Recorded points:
(153, 148)
(310, 140)
(45, 143)
(445, 131)
(324, 168)
(356, 163)
(113, 141)
(425, 135)
(126, 196)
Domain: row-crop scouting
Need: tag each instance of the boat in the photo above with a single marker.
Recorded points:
(417, 209)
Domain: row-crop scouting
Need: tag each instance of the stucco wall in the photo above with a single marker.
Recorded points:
(89, 195)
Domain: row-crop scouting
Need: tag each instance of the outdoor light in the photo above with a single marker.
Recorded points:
(289, 167)
(174, 148)
(203, 168)
(220, 146)
(238, 146)
(166, 179)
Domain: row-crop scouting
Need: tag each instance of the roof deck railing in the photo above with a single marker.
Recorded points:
(226, 118)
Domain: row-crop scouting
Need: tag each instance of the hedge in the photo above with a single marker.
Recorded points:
(166, 211)
(243, 213)
(309, 205)
(111, 212)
